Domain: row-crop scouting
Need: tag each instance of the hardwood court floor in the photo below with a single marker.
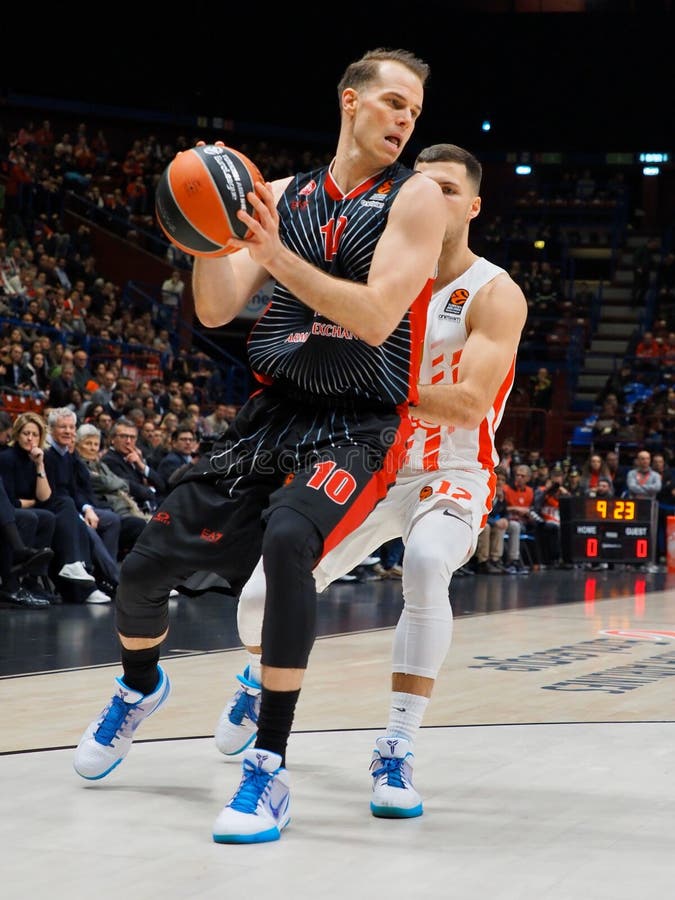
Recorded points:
(545, 763)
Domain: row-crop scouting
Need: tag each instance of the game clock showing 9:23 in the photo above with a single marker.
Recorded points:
(596, 529)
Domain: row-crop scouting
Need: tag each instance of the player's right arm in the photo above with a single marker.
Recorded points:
(495, 323)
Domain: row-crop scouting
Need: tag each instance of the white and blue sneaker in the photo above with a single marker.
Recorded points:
(108, 739)
(238, 723)
(394, 796)
(260, 809)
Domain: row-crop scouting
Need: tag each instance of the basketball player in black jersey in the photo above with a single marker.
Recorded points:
(352, 248)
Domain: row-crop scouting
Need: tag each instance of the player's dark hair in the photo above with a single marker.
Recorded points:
(367, 69)
(453, 153)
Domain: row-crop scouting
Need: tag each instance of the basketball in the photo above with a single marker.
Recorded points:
(199, 194)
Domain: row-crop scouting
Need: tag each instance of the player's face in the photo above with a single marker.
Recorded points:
(462, 204)
(385, 111)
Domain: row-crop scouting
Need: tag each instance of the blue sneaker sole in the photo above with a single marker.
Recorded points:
(102, 775)
(261, 837)
(396, 812)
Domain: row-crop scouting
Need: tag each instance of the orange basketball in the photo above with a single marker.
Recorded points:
(199, 194)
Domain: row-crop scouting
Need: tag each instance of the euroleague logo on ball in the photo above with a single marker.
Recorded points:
(200, 196)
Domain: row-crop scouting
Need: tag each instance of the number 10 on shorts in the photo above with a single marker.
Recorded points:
(337, 484)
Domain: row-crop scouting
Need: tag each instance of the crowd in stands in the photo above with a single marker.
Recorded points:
(527, 504)
(98, 385)
(523, 530)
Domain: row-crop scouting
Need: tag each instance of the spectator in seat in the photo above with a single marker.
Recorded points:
(509, 459)
(520, 502)
(606, 427)
(17, 376)
(39, 373)
(547, 507)
(18, 561)
(642, 480)
(117, 404)
(29, 488)
(144, 441)
(220, 418)
(541, 389)
(648, 356)
(591, 471)
(616, 471)
(110, 491)
(172, 297)
(146, 485)
(573, 483)
(103, 525)
(61, 386)
(82, 375)
(104, 392)
(183, 452)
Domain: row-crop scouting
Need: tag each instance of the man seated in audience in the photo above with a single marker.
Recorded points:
(183, 453)
(642, 481)
(219, 419)
(547, 507)
(103, 531)
(146, 485)
(519, 502)
(616, 471)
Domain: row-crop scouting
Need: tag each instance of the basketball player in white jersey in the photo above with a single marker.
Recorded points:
(442, 495)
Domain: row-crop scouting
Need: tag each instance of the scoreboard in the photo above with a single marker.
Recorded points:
(595, 529)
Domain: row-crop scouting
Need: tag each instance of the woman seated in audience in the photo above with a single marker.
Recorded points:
(39, 369)
(24, 477)
(110, 491)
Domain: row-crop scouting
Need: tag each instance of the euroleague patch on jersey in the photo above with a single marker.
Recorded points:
(426, 492)
(456, 301)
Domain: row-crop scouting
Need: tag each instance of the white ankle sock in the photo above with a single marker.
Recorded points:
(405, 715)
(254, 667)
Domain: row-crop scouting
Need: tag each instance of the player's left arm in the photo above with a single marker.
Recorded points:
(495, 323)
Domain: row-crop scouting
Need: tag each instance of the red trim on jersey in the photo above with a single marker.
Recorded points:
(432, 445)
(335, 193)
(506, 386)
(486, 428)
(418, 326)
(377, 487)
(263, 379)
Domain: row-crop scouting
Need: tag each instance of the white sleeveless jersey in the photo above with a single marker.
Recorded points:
(434, 447)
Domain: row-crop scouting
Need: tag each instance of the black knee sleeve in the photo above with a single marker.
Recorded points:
(291, 547)
(142, 599)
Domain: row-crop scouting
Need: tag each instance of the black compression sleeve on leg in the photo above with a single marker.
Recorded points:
(140, 669)
(277, 709)
(291, 546)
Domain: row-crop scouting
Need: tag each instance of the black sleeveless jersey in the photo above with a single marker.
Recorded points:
(308, 354)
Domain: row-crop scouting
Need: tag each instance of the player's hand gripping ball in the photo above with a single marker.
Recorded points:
(199, 194)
